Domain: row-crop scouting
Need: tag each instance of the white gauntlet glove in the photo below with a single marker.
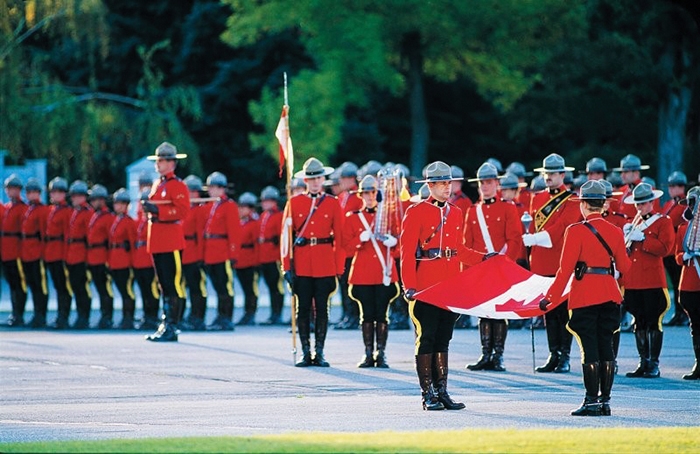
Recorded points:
(537, 239)
(626, 229)
(390, 241)
(365, 236)
(636, 235)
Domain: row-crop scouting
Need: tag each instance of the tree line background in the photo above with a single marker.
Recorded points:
(93, 85)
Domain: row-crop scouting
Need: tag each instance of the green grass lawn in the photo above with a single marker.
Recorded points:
(608, 440)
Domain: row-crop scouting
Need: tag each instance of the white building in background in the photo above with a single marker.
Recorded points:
(32, 168)
(133, 171)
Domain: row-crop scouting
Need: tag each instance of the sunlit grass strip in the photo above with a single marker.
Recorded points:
(594, 440)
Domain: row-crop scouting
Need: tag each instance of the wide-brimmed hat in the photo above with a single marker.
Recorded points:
(677, 178)
(511, 181)
(348, 170)
(423, 194)
(247, 199)
(166, 150)
(518, 170)
(457, 172)
(643, 192)
(33, 185)
(217, 179)
(630, 163)
(58, 184)
(270, 193)
(591, 190)
(193, 183)
(368, 183)
(78, 187)
(313, 168)
(97, 191)
(486, 171)
(438, 171)
(13, 181)
(121, 195)
(553, 163)
(609, 193)
(596, 165)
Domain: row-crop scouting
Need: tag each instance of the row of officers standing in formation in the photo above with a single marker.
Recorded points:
(361, 228)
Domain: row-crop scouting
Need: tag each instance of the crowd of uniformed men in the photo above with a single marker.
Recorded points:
(188, 230)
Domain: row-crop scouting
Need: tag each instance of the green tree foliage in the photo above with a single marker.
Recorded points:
(359, 46)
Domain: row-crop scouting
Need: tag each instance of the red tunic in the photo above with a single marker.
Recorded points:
(580, 244)
(33, 228)
(165, 232)
(674, 210)
(248, 255)
(57, 230)
(460, 199)
(140, 256)
(317, 259)
(122, 237)
(647, 256)
(269, 236)
(366, 268)
(98, 237)
(12, 230)
(76, 251)
(690, 282)
(503, 223)
(419, 223)
(525, 197)
(617, 219)
(545, 261)
(222, 232)
(193, 227)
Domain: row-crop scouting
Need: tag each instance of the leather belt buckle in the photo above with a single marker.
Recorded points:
(448, 253)
(313, 241)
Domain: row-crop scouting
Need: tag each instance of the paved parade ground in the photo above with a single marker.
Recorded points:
(96, 385)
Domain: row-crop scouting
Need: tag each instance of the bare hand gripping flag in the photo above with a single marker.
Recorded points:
(496, 288)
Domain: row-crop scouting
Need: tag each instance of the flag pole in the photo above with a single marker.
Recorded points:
(290, 237)
(526, 220)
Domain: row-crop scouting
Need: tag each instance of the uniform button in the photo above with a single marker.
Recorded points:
(312, 222)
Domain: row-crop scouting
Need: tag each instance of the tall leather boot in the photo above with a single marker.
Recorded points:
(320, 331)
(424, 369)
(656, 339)
(564, 366)
(440, 370)
(607, 376)
(82, 306)
(167, 331)
(128, 308)
(224, 319)
(695, 373)
(486, 335)
(616, 346)
(553, 341)
(500, 331)
(641, 336)
(591, 381)
(305, 341)
(382, 330)
(368, 340)
(64, 302)
(40, 305)
(18, 299)
(195, 321)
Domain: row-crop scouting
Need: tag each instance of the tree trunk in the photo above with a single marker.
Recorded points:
(673, 112)
(419, 122)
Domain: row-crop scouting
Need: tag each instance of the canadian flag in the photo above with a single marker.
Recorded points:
(496, 288)
(286, 152)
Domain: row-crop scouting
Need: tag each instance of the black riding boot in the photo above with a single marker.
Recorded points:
(304, 339)
(167, 331)
(320, 331)
(440, 370)
(500, 331)
(591, 381)
(656, 339)
(607, 376)
(553, 341)
(368, 340)
(563, 366)
(486, 335)
(424, 368)
(382, 330)
(695, 373)
(642, 338)
(616, 346)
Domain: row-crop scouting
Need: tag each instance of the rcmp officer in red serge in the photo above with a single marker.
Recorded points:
(142, 263)
(650, 237)
(593, 251)
(57, 230)
(122, 236)
(98, 253)
(33, 229)
(76, 252)
(552, 215)
(492, 226)
(373, 279)
(432, 250)
(193, 257)
(11, 247)
(269, 251)
(166, 239)
(630, 172)
(222, 233)
(677, 182)
(247, 264)
(319, 258)
(688, 255)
